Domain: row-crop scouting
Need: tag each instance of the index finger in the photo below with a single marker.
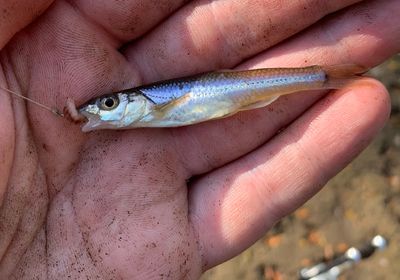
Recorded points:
(16, 14)
(208, 35)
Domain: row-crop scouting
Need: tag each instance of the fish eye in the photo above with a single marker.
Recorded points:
(109, 103)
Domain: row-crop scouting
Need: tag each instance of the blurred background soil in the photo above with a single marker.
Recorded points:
(360, 202)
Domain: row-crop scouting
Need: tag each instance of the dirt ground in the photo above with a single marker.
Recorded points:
(363, 200)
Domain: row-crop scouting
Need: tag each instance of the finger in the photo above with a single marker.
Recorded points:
(236, 204)
(365, 34)
(125, 20)
(327, 43)
(208, 35)
(16, 14)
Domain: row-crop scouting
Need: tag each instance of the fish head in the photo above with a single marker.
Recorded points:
(113, 111)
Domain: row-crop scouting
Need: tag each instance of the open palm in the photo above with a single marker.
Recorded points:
(170, 203)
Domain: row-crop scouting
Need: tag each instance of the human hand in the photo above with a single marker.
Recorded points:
(170, 203)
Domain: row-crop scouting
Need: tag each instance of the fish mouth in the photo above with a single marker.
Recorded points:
(93, 121)
(91, 125)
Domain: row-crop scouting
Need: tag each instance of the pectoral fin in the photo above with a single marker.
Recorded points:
(160, 111)
(174, 103)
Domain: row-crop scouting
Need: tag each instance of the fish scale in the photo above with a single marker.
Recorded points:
(199, 98)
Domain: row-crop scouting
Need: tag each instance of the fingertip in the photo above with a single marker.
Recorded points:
(371, 97)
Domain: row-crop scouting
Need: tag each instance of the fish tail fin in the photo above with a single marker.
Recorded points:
(339, 76)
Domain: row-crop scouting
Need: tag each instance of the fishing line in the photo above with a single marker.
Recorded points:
(53, 110)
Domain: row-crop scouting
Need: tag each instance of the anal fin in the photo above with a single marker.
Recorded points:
(259, 104)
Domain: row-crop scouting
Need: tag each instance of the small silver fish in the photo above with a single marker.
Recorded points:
(195, 99)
